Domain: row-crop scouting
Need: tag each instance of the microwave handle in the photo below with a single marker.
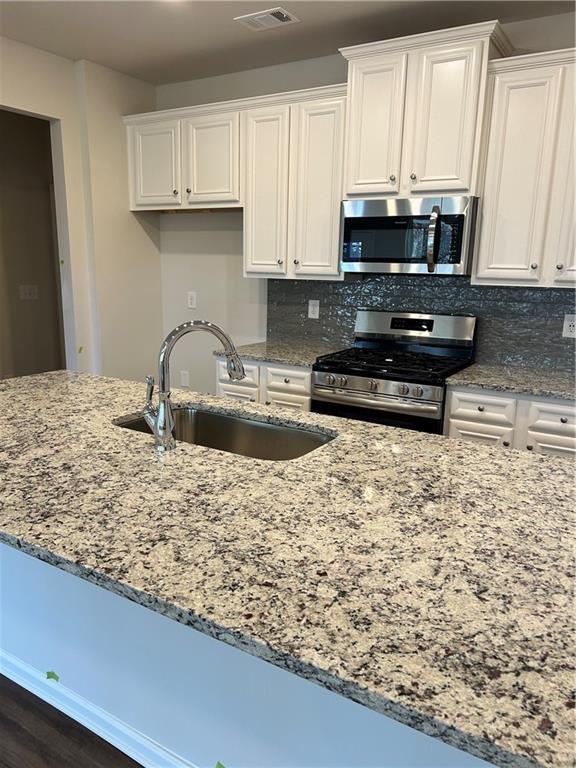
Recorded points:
(432, 238)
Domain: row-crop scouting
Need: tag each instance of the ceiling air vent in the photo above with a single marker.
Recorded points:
(273, 17)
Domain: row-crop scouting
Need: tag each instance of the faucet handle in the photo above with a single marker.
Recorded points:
(149, 390)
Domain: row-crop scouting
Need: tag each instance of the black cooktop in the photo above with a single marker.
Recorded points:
(397, 364)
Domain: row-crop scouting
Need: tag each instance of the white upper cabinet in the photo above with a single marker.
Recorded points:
(527, 229)
(377, 88)
(210, 157)
(292, 185)
(154, 157)
(416, 109)
(316, 149)
(441, 123)
(265, 152)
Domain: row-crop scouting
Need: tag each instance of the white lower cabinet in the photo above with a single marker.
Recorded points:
(286, 386)
(542, 426)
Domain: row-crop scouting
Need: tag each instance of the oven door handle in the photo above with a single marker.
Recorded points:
(386, 403)
(432, 238)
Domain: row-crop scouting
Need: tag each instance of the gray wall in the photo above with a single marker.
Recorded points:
(517, 326)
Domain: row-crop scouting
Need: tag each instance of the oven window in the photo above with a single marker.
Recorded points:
(400, 239)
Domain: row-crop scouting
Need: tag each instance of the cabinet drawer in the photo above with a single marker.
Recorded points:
(553, 445)
(298, 402)
(252, 372)
(489, 434)
(237, 392)
(500, 411)
(287, 381)
(552, 419)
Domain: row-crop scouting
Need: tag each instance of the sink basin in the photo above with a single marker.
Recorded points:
(235, 434)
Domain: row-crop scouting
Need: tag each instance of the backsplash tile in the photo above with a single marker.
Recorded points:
(517, 326)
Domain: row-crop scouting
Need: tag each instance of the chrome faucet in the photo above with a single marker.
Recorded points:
(160, 418)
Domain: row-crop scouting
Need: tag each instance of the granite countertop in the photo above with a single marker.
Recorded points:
(426, 578)
(539, 382)
(303, 353)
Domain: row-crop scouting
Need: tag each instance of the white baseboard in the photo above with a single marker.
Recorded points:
(136, 745)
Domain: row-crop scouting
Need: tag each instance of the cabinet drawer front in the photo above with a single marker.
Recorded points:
(298, 402)
(287, 381)
(483, 409)
(236, 392)
(552, 419)
(489, 434)
(552, 445)
(252, 372)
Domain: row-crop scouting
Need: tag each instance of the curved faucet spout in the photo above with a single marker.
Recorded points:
(161, 419)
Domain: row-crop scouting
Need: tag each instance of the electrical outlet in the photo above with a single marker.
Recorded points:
(185, 378)
(28, 292)
(314, 309)
(569, 329)
(191, 300)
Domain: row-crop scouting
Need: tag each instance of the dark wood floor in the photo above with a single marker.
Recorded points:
(35, 735)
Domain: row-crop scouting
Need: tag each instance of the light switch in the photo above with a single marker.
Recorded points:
(28, 292)
(314, 309)
(184, 378)
(191, 300)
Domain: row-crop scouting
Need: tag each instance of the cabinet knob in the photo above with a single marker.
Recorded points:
(279, 261)
(268, 402)
(286, 381)
(529, 447)
(563, 420)
(252, 400)
(480, 408)
(174, 192)
(413, 176)
(506, 443)
(559, 266)
(188, 190)
(392, 177)
(533, 266)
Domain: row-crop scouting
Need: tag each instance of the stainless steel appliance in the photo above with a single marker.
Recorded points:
(396, 371)
(419, 235)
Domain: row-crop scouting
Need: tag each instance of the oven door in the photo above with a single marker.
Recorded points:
(390, 411)
(426, 235)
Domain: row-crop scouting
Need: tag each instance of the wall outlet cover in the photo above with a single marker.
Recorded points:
(191, 302)
(569, 329)
(184, 378)
(28, 292)
(314, 309)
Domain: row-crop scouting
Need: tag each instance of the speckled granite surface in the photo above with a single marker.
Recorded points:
(287, 353)
(539, 382)
(429, 579)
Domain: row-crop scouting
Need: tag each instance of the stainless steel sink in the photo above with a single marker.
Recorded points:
(235, 434)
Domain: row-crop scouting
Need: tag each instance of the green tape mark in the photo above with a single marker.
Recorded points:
(218, 765)
(51, 675)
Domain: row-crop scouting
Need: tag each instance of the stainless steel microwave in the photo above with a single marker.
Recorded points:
(418, 235)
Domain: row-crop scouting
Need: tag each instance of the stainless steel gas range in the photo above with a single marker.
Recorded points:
(396, 371)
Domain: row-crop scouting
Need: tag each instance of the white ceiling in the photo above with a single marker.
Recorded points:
(163, 41)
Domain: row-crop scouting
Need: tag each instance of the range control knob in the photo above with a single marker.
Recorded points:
(329, 379)
(403, 389)
(342, 381)
(373, 385)
(417, 391)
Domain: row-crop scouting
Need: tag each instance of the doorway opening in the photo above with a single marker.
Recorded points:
(31, 318)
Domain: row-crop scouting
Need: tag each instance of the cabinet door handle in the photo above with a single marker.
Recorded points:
(563, 420)
(286, 381)
(296, 261)
(480, 408)
(252, 400)
(559, 266)
(529, 447)
(392, 178)
(188, 190)
(174, 192)
(413, 176)
(280, 261)
(533, 266)
(268, 402)
(506, 444)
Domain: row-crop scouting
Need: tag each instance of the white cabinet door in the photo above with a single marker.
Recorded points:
(316, 149)
(488, 434)
(296, 402)
(237, 392)
(289, 380)
(251, 379)
(442, 118)
(210, 156)
(155, 164)
(485, 409)
(546, 427)
(521, 148)
(265, 148)
(376, 87)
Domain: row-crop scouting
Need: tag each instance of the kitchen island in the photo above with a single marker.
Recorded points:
(427, 579)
